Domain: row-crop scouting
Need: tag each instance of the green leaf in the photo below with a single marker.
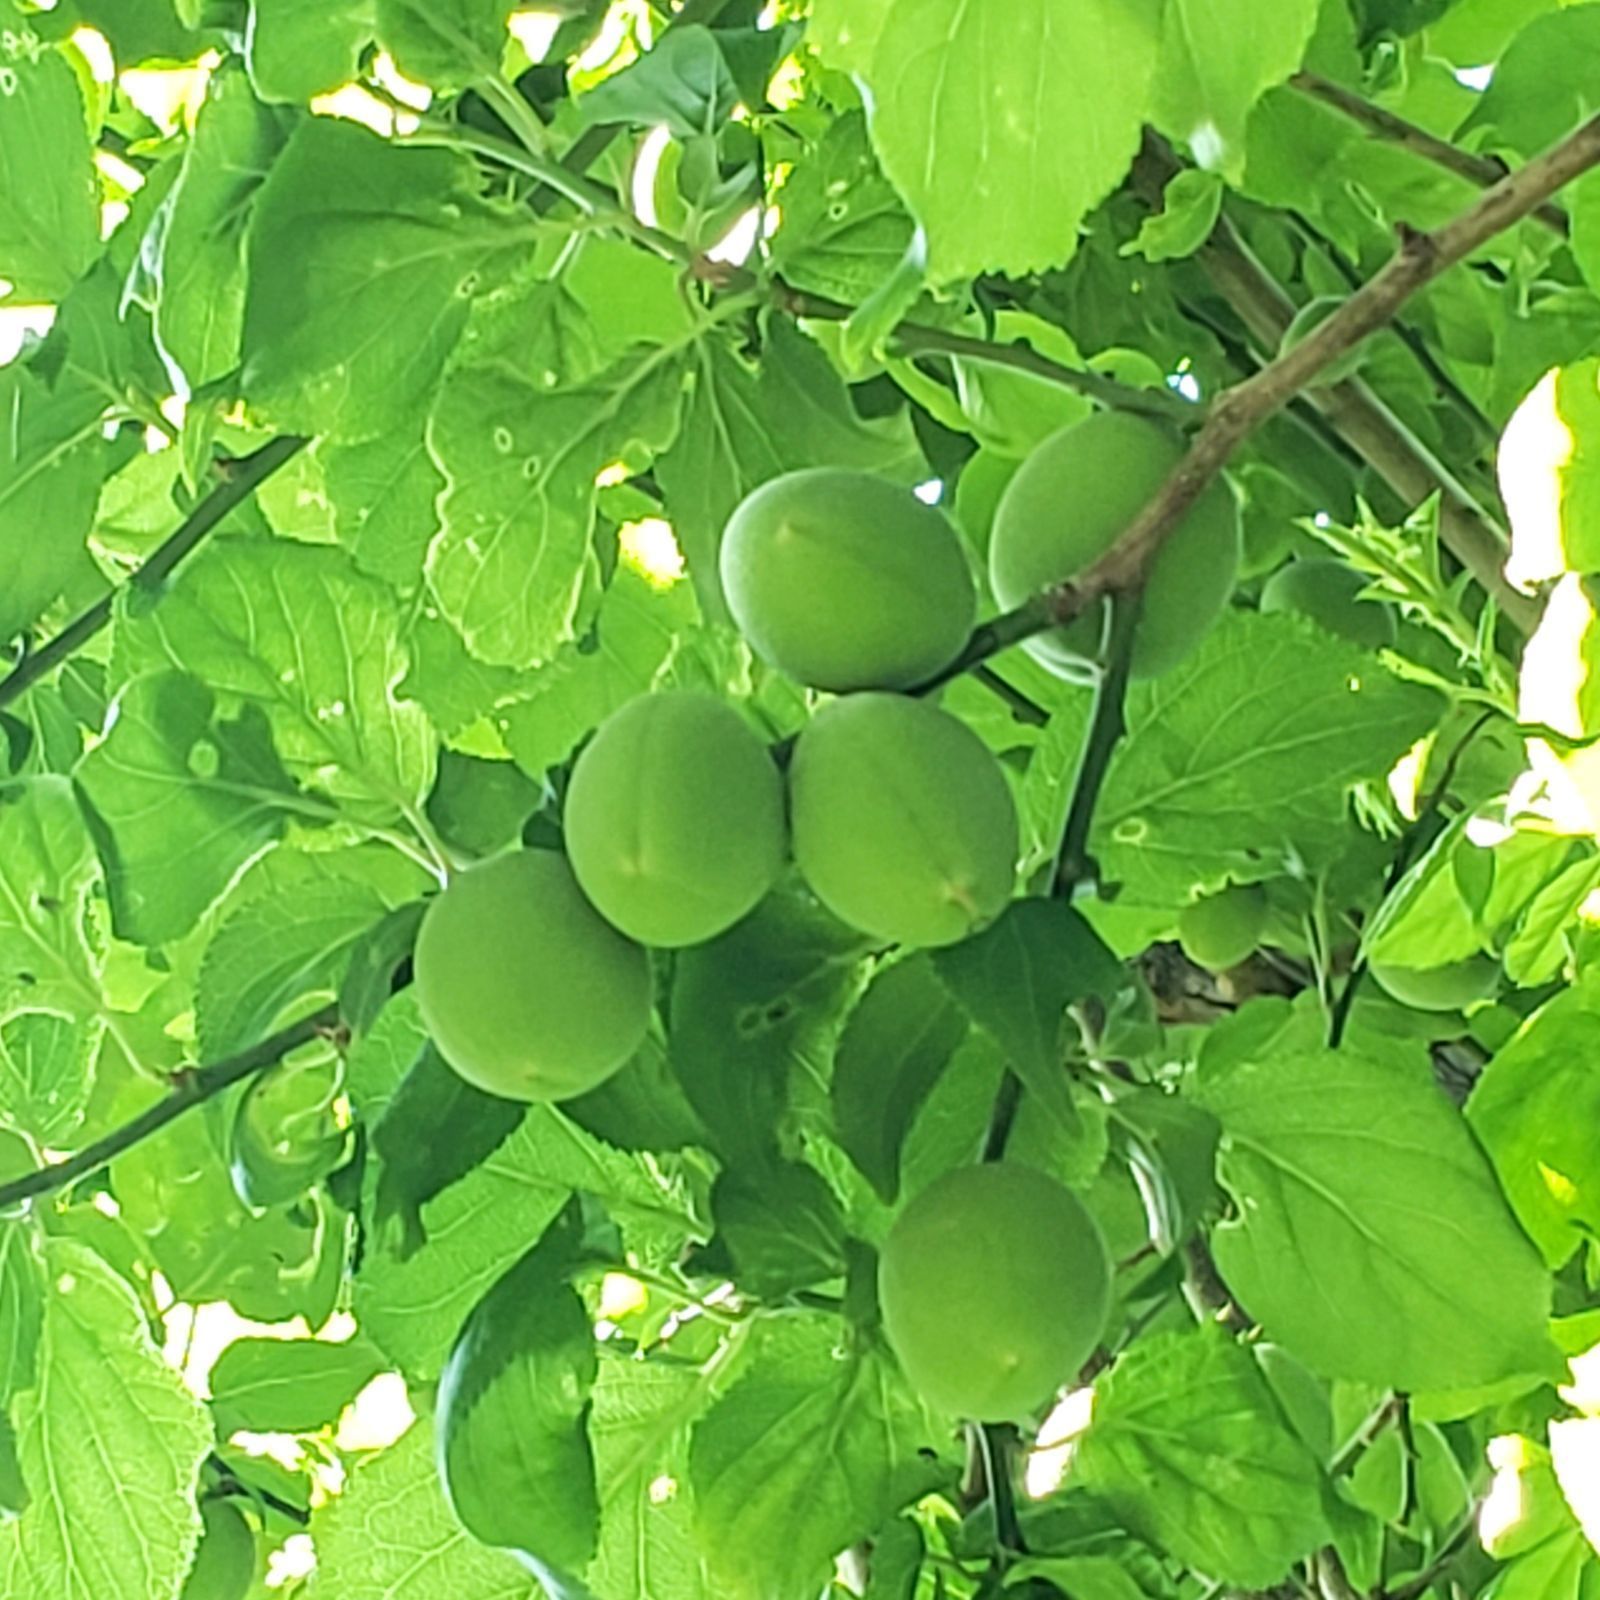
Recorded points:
(1245, 752)
(49, 196)
(1189, 1448)
(300, 48)
(110, 1444)
(896, 1045)
(288, 1385)
(782, 1226)
(22, 1301)
(383, 492)
(478, 1225)
(363, 262)
(1540, 91)
(747, 424)
(275, 952)
(844, 229)
(1083, 1577)
(294, 632)
(750, 1006)
(636, 633)
(965, 116)
(683, 82)
(392, 1536)
(466, 1127)
(53, 459)
(1017, 978)
(1355, 1179)
(513, 1411)
(177, 1199)
(1218, 57)
(49, 959)
(180, 798)
(1538, 950)
(640, 1425)
(812, 1449)
(1190, 205)
(1531, 1108)
(517, 512)
(201, 225)
(46, 1073)
(449, 44)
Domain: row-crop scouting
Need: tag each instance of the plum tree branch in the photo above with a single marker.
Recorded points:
(188, 1088)
(241, 477)
(1237, 412)
(1484, 171)
(1357, 417)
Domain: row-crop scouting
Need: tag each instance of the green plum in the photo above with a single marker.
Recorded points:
(528, 991)
(1329, 593)
(995, 1286)
(675, 818)
(904, 825)
(1069, 503)
(845, 581)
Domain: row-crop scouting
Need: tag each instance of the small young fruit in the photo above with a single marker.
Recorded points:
(225, 1560)
(1222, 929)
(528, 991)
(903, 823)
(1069, 503)
(1329, 593)
(674, 818)
(1448, 988)
(995, 1288)
(845, 581)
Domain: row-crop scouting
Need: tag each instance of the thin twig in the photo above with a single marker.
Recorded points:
(1003, 1118)
(1074, 866)
(189, 1088)
(1236, 413)
(997, 1441)
(240, 479)
(1484, 171)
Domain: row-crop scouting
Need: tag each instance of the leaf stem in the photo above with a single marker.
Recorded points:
(997, 1443)
(1484, 171)
(241, 477)
(187, 1089)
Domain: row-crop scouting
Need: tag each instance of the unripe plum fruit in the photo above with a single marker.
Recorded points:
(1447, 988)
(1329, 593)
(1222, 929)
(527, 990)
(675, 818)
(1070, 502)
(995, 1287)
(845, 581)
(903, 823)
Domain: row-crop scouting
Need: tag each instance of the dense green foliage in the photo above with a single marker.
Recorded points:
(642, 957)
